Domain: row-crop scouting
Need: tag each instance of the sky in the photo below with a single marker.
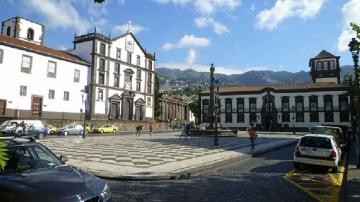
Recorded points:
(235, 35)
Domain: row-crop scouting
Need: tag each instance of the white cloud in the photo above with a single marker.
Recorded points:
(187, 41)
(191, 57)
(206, 68)
(350, 14)
(271, 18)
(58, 14)
(135, 29)
(218, 27)
(205, 7)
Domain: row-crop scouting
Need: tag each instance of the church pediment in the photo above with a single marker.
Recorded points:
(128, 94)
(139, 102)
(115, 97)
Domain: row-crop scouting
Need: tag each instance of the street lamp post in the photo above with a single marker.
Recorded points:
(354, 47)
(211, 104)
(216, 108)
(293, 118)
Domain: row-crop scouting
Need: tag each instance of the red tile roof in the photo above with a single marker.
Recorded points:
(40, 49)
(280, 87)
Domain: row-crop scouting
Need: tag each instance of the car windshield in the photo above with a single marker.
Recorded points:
(29, 157)
(324, 130)
(318, 142)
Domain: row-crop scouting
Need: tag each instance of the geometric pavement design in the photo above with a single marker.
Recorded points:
(144, 151)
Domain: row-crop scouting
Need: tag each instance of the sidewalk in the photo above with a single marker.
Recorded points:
(352, 189)
(158, 157)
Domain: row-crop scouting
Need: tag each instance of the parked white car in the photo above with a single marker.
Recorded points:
(315, 149)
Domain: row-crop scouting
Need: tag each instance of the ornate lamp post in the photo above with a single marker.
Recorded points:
(211, 104)
(216, 108)
(354, 47)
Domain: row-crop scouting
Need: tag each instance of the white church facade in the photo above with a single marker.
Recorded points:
(286, 106)
(109, 78)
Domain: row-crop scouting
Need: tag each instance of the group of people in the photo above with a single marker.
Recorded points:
(139, 128)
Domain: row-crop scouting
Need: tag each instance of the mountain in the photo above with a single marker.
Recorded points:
(250, 78)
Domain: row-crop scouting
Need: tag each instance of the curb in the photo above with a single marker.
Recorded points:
(192, 171)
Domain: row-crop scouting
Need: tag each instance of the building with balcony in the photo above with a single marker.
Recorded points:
(283, 106)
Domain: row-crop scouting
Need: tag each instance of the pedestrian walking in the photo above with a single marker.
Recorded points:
(138, 128)
(150, 129)
(252, 135)
(188, 128)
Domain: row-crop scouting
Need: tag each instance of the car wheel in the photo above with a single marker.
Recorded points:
(334, 169)
(66, 133)
(19, 134)
(297, 165)
(114, 130)
(41, 135)
(101, 131)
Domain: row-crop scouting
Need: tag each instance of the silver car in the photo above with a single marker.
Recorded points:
(71, 130)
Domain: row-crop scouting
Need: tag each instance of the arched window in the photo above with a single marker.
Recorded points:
(30, 34)
(8, 31)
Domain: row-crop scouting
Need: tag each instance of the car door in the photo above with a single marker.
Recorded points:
(107, 129)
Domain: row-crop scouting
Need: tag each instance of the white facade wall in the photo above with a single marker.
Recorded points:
(39, 84)
(83, 50)
(259, 102)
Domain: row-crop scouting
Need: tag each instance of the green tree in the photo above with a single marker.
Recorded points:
(3, 155)
(195, 108)
(157, 101)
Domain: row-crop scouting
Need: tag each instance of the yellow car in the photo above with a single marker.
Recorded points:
(107, 129)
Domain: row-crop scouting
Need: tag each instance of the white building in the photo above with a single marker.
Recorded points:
(121, 82)
(284, 106)
(37, 81)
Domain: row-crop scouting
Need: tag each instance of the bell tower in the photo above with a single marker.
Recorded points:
(325, 67)
(23, 29)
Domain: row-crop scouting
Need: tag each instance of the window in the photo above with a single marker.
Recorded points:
(285, 109)
(8, 31)
(30, 34)
(128, 77)
(26, 64)
(343, 102)
(150, 66)
(138, 86)
(285, 104)
(252, 104)
(299, 104)
(51, 70)
(76, 75)
(118, 53)
(325, 65)
(240, 105)
(328, 108)
(101, 78)
(313, 100)
(149, 78)
(149, 88)
(138, 74)
(205, 110)
(228, 110)
(102, 49)
(129, 55)
(23, 90)
(138, 60)
(66, 95)
(319, 66)
(100, 94)
(332, 65)
(117, 68)
(102, 64)
(116, 81)
(1, 56)
(149, 101)
(51, 94)
(314, 115)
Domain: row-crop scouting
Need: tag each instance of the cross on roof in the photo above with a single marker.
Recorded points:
(129, 26)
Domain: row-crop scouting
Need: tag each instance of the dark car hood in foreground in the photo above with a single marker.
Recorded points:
(63, 183)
